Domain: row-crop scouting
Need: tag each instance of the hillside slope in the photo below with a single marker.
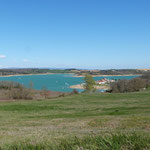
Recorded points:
(80, 115)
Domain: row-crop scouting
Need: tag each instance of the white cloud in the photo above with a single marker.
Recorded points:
(2, 56)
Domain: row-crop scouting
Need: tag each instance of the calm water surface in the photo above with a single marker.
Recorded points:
(55, 82)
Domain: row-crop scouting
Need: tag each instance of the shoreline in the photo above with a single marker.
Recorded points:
(80, 86)
(16, 75)
(73, 75)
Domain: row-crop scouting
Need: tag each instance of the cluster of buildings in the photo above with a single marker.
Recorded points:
(104, 81)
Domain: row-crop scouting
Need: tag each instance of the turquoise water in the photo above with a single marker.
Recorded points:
(54, 82)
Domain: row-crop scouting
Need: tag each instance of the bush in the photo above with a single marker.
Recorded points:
(16, 90)
(20, 93)
(75, 91)
(146, 77)
(62, 95)
(45, 93)
(133, 85)
(9, 84)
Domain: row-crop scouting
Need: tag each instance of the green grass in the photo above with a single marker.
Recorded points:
(96, 118)
(148, 89)
(111, 142)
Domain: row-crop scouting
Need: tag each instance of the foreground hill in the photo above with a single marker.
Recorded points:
(84, 121)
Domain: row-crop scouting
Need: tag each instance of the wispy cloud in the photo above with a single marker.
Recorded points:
(2, 56)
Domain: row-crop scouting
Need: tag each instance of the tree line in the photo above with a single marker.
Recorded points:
(132, 85)
(120, 86)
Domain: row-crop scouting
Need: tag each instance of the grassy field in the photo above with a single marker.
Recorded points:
(84, 121)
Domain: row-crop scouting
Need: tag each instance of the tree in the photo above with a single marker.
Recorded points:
(89, 83)
(132, 85)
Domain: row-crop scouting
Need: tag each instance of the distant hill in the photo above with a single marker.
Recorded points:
(78, 72)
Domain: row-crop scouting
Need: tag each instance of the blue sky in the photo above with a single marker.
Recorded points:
(92, 34)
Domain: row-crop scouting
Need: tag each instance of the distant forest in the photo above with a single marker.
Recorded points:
(4, 72)
(114, 72)
(78, 72)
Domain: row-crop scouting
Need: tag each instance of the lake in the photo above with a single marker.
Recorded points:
(54, 82)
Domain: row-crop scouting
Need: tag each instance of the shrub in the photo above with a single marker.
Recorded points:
(62, 95)
(146, 77)
(44, 92)
(9, 84)
(20, 93)
(133, 85)
(75, 91)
